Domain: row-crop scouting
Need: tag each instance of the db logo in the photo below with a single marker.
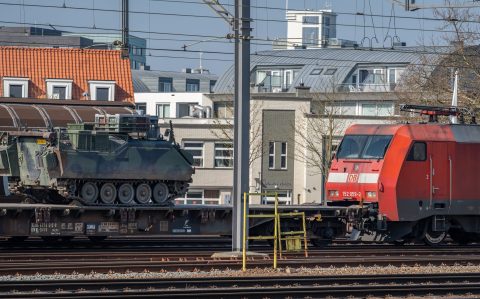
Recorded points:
(352, 178)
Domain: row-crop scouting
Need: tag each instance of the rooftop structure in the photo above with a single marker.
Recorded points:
(78, 74)
(45, 37)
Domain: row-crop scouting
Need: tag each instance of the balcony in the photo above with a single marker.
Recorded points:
(366, 87)
(197, 201)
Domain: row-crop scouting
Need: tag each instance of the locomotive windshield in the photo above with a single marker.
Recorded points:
(363, 146)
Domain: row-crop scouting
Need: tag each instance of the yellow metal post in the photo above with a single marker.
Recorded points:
(244, 249)
(304, 234)
(275, 233)
(279, 230)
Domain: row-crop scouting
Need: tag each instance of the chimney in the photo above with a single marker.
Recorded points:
(301, 90)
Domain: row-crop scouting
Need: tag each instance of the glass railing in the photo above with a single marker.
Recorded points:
(197, 201)
(366, 87)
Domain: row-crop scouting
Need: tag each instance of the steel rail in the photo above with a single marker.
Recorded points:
(250, 287)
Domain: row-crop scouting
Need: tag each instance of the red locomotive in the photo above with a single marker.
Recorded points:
(410, 181)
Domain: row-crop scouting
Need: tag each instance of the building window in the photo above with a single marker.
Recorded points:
(310, 20)
(59, 89)
(141, 107)
(165, 85)
(274, 80)
(196, 149)
(163, 110)
(223, 109)
(194, 197)
(283, 156)
(377, 109)
(211, 197)
(271, 155)
(310, 36)
(212, 85)
(102, 93)
(16, 91)
(316, 72)
(102, 90)
(183, 109)
(342, 108)
(15, 87)
(224, 155)
(385, 109)
(193, 85)
(369, 109)
(330, 72)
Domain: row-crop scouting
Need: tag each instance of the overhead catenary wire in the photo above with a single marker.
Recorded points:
(416, 50)
(260, 54)
(194, 35)
(258, 19)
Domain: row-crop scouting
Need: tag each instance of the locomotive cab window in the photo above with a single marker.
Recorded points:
(364, 146)
(418, 152)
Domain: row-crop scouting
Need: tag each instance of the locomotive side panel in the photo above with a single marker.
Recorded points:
(465, 180)
(390, 174)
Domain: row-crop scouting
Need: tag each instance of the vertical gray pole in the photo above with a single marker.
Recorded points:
(125, 29)
(242, 118)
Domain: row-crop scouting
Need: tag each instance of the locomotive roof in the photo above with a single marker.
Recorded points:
(426, 132)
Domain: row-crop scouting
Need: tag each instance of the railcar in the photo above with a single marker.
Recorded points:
(410, 181)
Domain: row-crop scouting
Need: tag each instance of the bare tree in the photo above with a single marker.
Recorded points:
(431, 80)
(317, 132)
(224, 130)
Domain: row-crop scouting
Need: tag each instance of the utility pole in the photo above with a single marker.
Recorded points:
(125, 29)
(242, 119)
(241, 136)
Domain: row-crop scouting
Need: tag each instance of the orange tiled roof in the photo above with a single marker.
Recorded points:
(79, 65)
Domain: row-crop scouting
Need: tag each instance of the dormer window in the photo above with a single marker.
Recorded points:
(59, 89)
(102, 90)
(15, 87)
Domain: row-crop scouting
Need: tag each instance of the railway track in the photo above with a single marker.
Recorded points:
(64, 262)
(251, 287)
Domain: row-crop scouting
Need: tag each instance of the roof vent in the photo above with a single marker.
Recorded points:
(187, 70)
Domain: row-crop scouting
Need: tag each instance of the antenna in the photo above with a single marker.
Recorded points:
(453, 118)
(201, 54)
(328, 4)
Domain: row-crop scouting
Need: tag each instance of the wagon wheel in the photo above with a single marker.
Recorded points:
(143, 193)
(434, 238)
(89, 192)
(160, 193)
(460, 236)
(108, 193)
(126, 193)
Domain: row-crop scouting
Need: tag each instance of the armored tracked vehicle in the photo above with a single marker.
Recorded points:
(120, 159)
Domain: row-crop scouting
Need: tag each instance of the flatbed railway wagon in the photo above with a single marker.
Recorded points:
(405, 182)
(41, 202)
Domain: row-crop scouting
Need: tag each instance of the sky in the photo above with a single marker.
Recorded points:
(172, 24)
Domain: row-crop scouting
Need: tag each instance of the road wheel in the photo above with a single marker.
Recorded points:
(108, 193)
(160, 193)
(89, 192)
(143, 193)
(126, 193)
